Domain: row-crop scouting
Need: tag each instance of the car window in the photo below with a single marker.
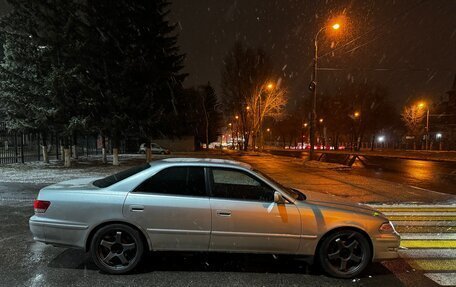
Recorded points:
(110, 180)
(176, 180)
(236, 184)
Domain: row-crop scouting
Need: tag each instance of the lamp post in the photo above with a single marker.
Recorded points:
(269, 87)
(313, 87)
(355, 140)
(232, 138)
(438, 136)
(304, 126)
(423, 105)
(237, 131)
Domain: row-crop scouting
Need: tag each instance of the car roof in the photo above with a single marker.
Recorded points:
(206, 161)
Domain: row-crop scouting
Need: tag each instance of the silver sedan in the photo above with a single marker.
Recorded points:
(207, 205)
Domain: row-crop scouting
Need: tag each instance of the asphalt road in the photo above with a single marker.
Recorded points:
(24, 262)
(432, 175)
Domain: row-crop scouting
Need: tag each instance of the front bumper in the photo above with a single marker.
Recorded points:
(386, 246)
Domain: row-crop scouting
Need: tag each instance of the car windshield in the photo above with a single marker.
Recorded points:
(294, 193)
(110, 180)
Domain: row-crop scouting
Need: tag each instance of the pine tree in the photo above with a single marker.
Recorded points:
(24, 100)
(133, 56)
(110, 65)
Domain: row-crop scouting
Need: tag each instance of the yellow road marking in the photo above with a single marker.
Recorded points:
(428, 243)
(430, 209)
(425, 229)
(433, 264)
(421, 218)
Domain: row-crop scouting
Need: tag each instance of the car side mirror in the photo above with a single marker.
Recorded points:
(278, 198)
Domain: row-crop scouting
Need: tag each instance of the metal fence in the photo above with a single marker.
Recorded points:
(17, 147)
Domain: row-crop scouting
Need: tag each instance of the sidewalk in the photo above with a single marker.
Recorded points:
(434, 155)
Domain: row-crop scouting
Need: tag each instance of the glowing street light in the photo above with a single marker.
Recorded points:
(356, 114)
(270, 86)
(320, 120)
(423, 105)
(313, 88)
(381, 139)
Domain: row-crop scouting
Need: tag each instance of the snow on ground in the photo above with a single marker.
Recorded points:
(39, 172)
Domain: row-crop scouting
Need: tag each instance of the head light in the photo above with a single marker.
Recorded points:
(387, 227)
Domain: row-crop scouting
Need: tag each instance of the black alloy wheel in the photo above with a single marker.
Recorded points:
(117, 248)
(344, 253)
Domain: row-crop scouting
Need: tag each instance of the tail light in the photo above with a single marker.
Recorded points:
(40, 206)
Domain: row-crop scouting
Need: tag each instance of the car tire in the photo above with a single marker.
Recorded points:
(344, 253)
(117, 248)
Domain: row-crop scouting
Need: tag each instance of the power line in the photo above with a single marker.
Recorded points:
(373, 29)
(387, 69)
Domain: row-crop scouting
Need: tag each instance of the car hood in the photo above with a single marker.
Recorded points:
(338, 203)
(74, 184)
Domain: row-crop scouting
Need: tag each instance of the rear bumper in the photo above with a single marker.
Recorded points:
(386, 246)
(58, 233)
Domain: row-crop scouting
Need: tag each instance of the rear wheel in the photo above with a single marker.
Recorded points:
(344, 253)
(117, 248)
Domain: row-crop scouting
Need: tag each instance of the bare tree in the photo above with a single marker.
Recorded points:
(269, 100)
(244, 71)
(413, 117)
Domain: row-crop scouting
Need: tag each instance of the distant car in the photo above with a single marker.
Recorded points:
(155, 148)
(207, 205)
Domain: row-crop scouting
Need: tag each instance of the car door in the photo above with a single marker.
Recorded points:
(245, 217)
(174, 208)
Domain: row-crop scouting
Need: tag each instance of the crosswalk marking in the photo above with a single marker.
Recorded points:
(434, 264)
(443, 279)
(421, 213)
(428, 243)
(418, 209)
(428, 238)
(428, 253)
(421, 229)
(422, 218)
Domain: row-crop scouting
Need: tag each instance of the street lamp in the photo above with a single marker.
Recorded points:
(269, 86)
(302, 135)
(237, 131)
(423, 105)
(381, 140)
(313, 87)
(438, 136)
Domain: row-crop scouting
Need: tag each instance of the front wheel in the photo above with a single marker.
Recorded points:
(344, 254)
(117, 248)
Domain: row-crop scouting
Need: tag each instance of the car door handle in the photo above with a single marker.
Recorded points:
(136, 208)
(224, 212)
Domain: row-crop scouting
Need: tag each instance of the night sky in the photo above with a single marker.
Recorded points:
(412, 42)
(415, 41)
